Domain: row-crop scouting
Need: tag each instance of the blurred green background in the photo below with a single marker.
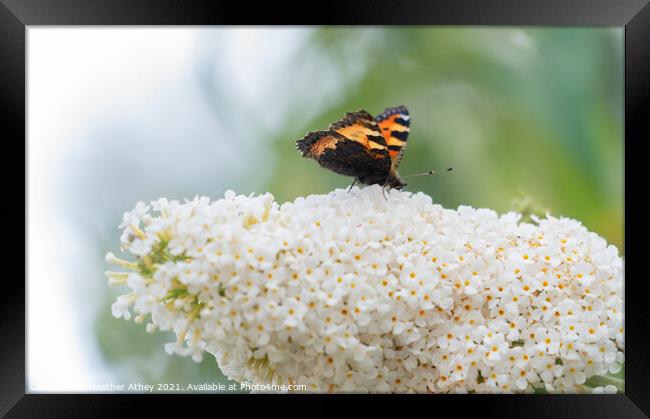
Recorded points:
(517, 112)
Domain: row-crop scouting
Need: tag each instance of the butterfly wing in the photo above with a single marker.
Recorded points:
(394, 124)
(315, 143)
(361, 127)
(353, 146)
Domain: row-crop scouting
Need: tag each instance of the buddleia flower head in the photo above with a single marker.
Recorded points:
(351, 292)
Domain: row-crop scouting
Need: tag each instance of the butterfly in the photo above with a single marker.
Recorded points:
(369, 149)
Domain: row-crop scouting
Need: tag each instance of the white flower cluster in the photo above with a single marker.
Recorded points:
(352, 292)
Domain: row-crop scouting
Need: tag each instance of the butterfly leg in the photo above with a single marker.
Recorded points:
(383, 189)
(353, 182)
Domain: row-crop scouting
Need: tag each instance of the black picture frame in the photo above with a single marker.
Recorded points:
(17, 15)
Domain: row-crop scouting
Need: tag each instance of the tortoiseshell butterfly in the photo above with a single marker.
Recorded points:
(369, 149)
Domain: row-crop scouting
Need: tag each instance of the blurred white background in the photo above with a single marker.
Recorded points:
(74, 77)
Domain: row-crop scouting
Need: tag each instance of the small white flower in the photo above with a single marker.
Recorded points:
(573, 374)
(608, 389)
(293, 312)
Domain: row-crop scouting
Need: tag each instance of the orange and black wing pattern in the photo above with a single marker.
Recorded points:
(361, 127)
(394, 124)
(353, 146)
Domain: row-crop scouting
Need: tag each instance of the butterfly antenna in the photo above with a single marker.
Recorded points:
(430, 172)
